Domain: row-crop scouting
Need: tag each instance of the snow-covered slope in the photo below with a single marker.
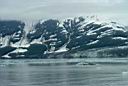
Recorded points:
(54, 36)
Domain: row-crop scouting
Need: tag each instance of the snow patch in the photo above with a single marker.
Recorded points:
(19, 50)
(61, 50)
(94, 42)
(65, 31)
(78, 37)
(90, 33)
(121, 38)
(53, 36)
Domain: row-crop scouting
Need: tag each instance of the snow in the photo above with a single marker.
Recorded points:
(5, 41)
(92, 20)
(62, 49)
(121, 38)
(15, 51)
(97, 22)
(91, 33)
(19, 26)
(65, 31)
(6, 56)
(17, 38)
(61, 24)
(78, 37)
(81, 29)
(52, 49)
(41, 21)
(113, 26)
(32, 31)
(105, 33)
(123, 47)
(25, 46)
(55, 39)
(37, 41)
(94, 42)
(19, 50)
(53, 36)
(53, 43)
(28, 26)
(77, 19)
(17, 45)
(76, 47)
(19, 32)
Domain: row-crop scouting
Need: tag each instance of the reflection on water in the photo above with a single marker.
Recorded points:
(62, 75)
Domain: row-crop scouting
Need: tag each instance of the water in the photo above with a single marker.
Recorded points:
(106, 72)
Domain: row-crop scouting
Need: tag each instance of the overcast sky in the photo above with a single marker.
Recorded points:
(42, 9)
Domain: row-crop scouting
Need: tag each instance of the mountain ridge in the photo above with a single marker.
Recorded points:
(53, 37)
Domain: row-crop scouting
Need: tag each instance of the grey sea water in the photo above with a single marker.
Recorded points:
(64, 72)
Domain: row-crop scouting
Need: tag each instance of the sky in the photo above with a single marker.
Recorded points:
(115, 10)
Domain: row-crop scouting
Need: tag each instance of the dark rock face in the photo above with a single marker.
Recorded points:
(6, 50)
(50, 33)
(54, 36)
(11, 31)
(36, 50)
(11, 28)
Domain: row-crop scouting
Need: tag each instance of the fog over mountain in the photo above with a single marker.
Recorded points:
(45, 9)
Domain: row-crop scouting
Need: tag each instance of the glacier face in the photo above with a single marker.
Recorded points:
(50, 37)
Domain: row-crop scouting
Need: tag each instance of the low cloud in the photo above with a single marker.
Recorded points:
(36, 9)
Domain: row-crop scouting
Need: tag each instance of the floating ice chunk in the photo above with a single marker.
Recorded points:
(125, 73)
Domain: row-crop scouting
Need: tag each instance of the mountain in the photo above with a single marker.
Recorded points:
(74, 37)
